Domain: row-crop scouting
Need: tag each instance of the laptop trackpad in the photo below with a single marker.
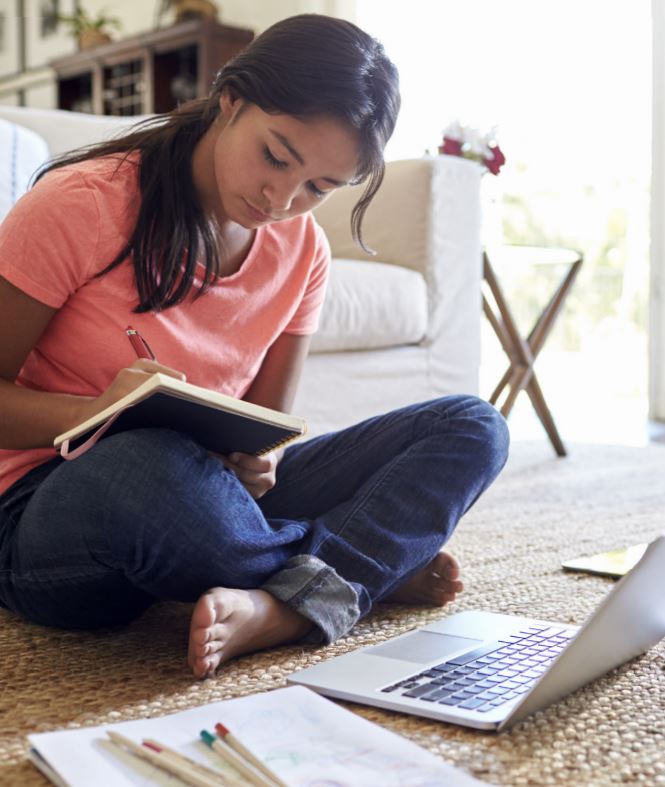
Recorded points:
(423, 646)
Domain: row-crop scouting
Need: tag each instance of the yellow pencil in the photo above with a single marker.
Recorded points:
(238, 761)
(228, 737)
(168, 764)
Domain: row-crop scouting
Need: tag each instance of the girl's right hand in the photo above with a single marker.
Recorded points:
(128, 380)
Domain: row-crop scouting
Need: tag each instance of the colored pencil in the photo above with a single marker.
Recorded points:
(182, 771)
(176, 756)
(225, 734)
(237, 761)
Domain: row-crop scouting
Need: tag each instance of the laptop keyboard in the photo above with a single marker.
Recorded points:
(491, 675)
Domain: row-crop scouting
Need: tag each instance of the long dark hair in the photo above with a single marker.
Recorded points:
(306, 65)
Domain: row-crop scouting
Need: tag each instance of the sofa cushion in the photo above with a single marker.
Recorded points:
(370, 305)
(23, 152)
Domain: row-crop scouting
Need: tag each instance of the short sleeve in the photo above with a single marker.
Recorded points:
(306, 319)
(48, 241)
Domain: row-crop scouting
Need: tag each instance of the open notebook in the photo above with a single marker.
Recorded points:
(217, 422)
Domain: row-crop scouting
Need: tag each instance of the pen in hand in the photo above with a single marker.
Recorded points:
(141, 347)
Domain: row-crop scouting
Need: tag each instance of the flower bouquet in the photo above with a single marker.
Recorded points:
(467, 142)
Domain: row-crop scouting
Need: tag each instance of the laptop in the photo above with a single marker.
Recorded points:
(489, 671)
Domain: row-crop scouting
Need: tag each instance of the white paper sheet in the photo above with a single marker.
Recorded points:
(307, 740)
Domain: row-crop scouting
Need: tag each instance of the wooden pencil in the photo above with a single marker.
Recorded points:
(183, 771)
(237, 761)
(217, 776)
(227, 736)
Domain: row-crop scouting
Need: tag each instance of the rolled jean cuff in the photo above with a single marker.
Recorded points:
(317, 592)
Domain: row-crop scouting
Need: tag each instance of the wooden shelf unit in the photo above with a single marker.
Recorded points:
(151, 72)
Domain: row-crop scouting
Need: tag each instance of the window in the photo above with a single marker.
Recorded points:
(568, 84)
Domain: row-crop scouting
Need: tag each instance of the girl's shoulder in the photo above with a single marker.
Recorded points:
(105, 190)
(110, 176)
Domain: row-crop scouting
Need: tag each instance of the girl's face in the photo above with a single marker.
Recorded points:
(273, 167)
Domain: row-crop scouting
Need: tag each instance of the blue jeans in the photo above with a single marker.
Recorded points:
(148, 514)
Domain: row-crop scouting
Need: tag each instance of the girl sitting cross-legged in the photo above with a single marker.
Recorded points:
(196, 229)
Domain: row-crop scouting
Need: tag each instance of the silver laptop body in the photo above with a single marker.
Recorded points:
(489, 671)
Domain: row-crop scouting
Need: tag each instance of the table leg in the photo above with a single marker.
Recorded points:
(521, 352)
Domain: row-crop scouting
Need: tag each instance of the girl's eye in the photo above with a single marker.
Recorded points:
(274, 162)
(316, 191)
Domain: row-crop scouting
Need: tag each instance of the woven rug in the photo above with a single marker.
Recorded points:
(540, 511)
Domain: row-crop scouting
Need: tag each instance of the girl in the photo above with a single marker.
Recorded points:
(196, 229)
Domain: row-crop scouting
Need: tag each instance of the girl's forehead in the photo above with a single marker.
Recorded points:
(309, 140)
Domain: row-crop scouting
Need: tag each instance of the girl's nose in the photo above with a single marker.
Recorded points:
(280, 197)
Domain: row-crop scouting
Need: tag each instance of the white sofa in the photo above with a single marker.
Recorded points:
(398, 327)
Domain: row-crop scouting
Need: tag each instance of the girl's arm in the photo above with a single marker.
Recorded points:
(275, 386)
(32, 419)
(276, 383)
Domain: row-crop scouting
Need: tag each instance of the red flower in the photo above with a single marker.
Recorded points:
(495, 163)
(451, 147)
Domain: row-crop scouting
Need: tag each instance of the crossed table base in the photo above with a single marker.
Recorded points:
(522, 352)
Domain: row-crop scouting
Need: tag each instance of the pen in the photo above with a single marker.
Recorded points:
(183, 771)
(141, 347)
(228, 737)
(239, 763)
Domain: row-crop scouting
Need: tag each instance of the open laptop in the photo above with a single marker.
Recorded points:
(489, 671)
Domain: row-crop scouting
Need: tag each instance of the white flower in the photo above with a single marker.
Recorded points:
(456, 131)
(477, 143)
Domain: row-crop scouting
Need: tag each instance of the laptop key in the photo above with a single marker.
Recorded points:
(448, 701)
(462, 695)
(471, 704)
(475, 689)
(488, 684)
(418, 691)
(487, 695)
(435, 696)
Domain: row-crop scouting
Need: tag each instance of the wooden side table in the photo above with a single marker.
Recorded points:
(523, 351)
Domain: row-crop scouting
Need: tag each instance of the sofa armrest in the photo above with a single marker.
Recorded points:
(63, 131)
(427, 217)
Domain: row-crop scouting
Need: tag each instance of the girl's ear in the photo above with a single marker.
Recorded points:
(229, 103)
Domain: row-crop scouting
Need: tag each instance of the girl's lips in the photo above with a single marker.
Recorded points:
(257, 215)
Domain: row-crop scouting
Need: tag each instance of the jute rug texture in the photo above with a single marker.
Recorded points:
(541, 510)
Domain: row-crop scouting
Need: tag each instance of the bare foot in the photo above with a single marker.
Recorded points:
(227, 622)
(438, 583)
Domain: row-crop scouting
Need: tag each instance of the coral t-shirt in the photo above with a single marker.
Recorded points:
(74, 222)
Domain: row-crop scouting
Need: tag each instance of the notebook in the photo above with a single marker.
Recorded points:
(489, 671)
(613, 564)
(217, 422)
(302, 737)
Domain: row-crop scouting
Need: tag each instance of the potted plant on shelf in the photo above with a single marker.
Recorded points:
(90, 30)
(189, 9)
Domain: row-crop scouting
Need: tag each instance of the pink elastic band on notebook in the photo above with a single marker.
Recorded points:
(65, 453)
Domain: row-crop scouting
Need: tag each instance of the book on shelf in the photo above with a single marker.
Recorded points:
(218, 422)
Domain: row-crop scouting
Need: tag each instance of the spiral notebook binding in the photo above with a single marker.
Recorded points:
(283, 441)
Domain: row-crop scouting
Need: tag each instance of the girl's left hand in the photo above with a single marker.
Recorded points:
(256, 473)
